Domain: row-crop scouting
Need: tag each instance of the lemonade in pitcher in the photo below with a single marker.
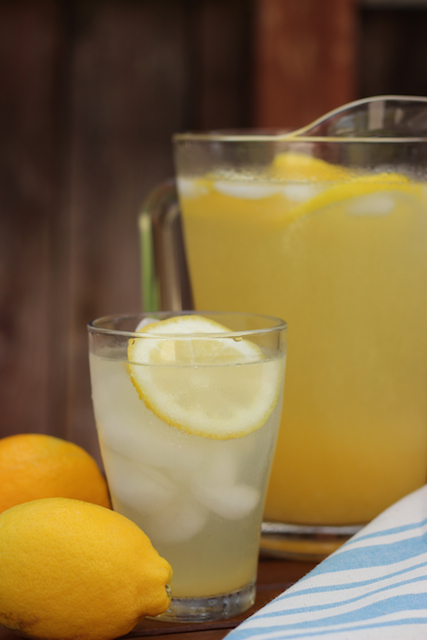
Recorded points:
(340, 252)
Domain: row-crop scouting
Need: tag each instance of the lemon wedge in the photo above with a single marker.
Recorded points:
(357, 187)
(300, 166)
(205, 384)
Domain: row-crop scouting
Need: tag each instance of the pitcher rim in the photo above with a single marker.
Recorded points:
(281, 134)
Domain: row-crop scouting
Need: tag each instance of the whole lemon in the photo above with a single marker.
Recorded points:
(70, 569)
(36, 466)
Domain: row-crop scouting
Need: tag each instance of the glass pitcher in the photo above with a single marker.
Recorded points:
(327, 229)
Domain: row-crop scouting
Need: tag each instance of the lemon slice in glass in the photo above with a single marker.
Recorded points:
(192, 378)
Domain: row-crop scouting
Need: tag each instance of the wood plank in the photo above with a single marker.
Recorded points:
(219, 64)
(304, 58)
(128, 66)
(33, 245)
(393, 50)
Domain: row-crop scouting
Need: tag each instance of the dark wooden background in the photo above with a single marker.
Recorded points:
(90, 93)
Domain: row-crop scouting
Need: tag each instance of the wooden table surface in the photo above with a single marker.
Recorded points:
(274, 576)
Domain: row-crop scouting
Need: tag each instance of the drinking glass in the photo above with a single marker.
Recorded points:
(327, 229)
(187, 424)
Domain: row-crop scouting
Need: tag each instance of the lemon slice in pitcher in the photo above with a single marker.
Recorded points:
(205, 384)
(294, 166)
(359, 190)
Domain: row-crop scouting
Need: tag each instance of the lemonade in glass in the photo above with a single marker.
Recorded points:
(187, 410)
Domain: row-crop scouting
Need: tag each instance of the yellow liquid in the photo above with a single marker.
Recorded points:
(347, 269)
(198, 499)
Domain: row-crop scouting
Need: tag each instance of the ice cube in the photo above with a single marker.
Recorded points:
(179, 522)
(245, 189)
(300, 192)
(374, 204)
(216, 486)
(232, 503)
(148, 443)
(140, 487)
(129, 428)
(221, 467)
(189, 188)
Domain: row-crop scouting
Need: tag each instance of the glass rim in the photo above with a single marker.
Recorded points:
(280, 325)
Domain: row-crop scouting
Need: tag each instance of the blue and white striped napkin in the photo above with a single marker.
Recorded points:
(374, 587)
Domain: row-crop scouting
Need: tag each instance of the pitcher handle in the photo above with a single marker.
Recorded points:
(164, 274)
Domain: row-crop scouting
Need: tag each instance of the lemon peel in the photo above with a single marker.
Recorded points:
(208, 386)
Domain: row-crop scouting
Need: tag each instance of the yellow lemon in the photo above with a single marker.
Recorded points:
(34, 465)
(70, 569)
(294, 166)
(216, 387)
(358, 187)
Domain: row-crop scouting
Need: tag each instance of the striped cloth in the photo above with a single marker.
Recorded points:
(373, 588)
